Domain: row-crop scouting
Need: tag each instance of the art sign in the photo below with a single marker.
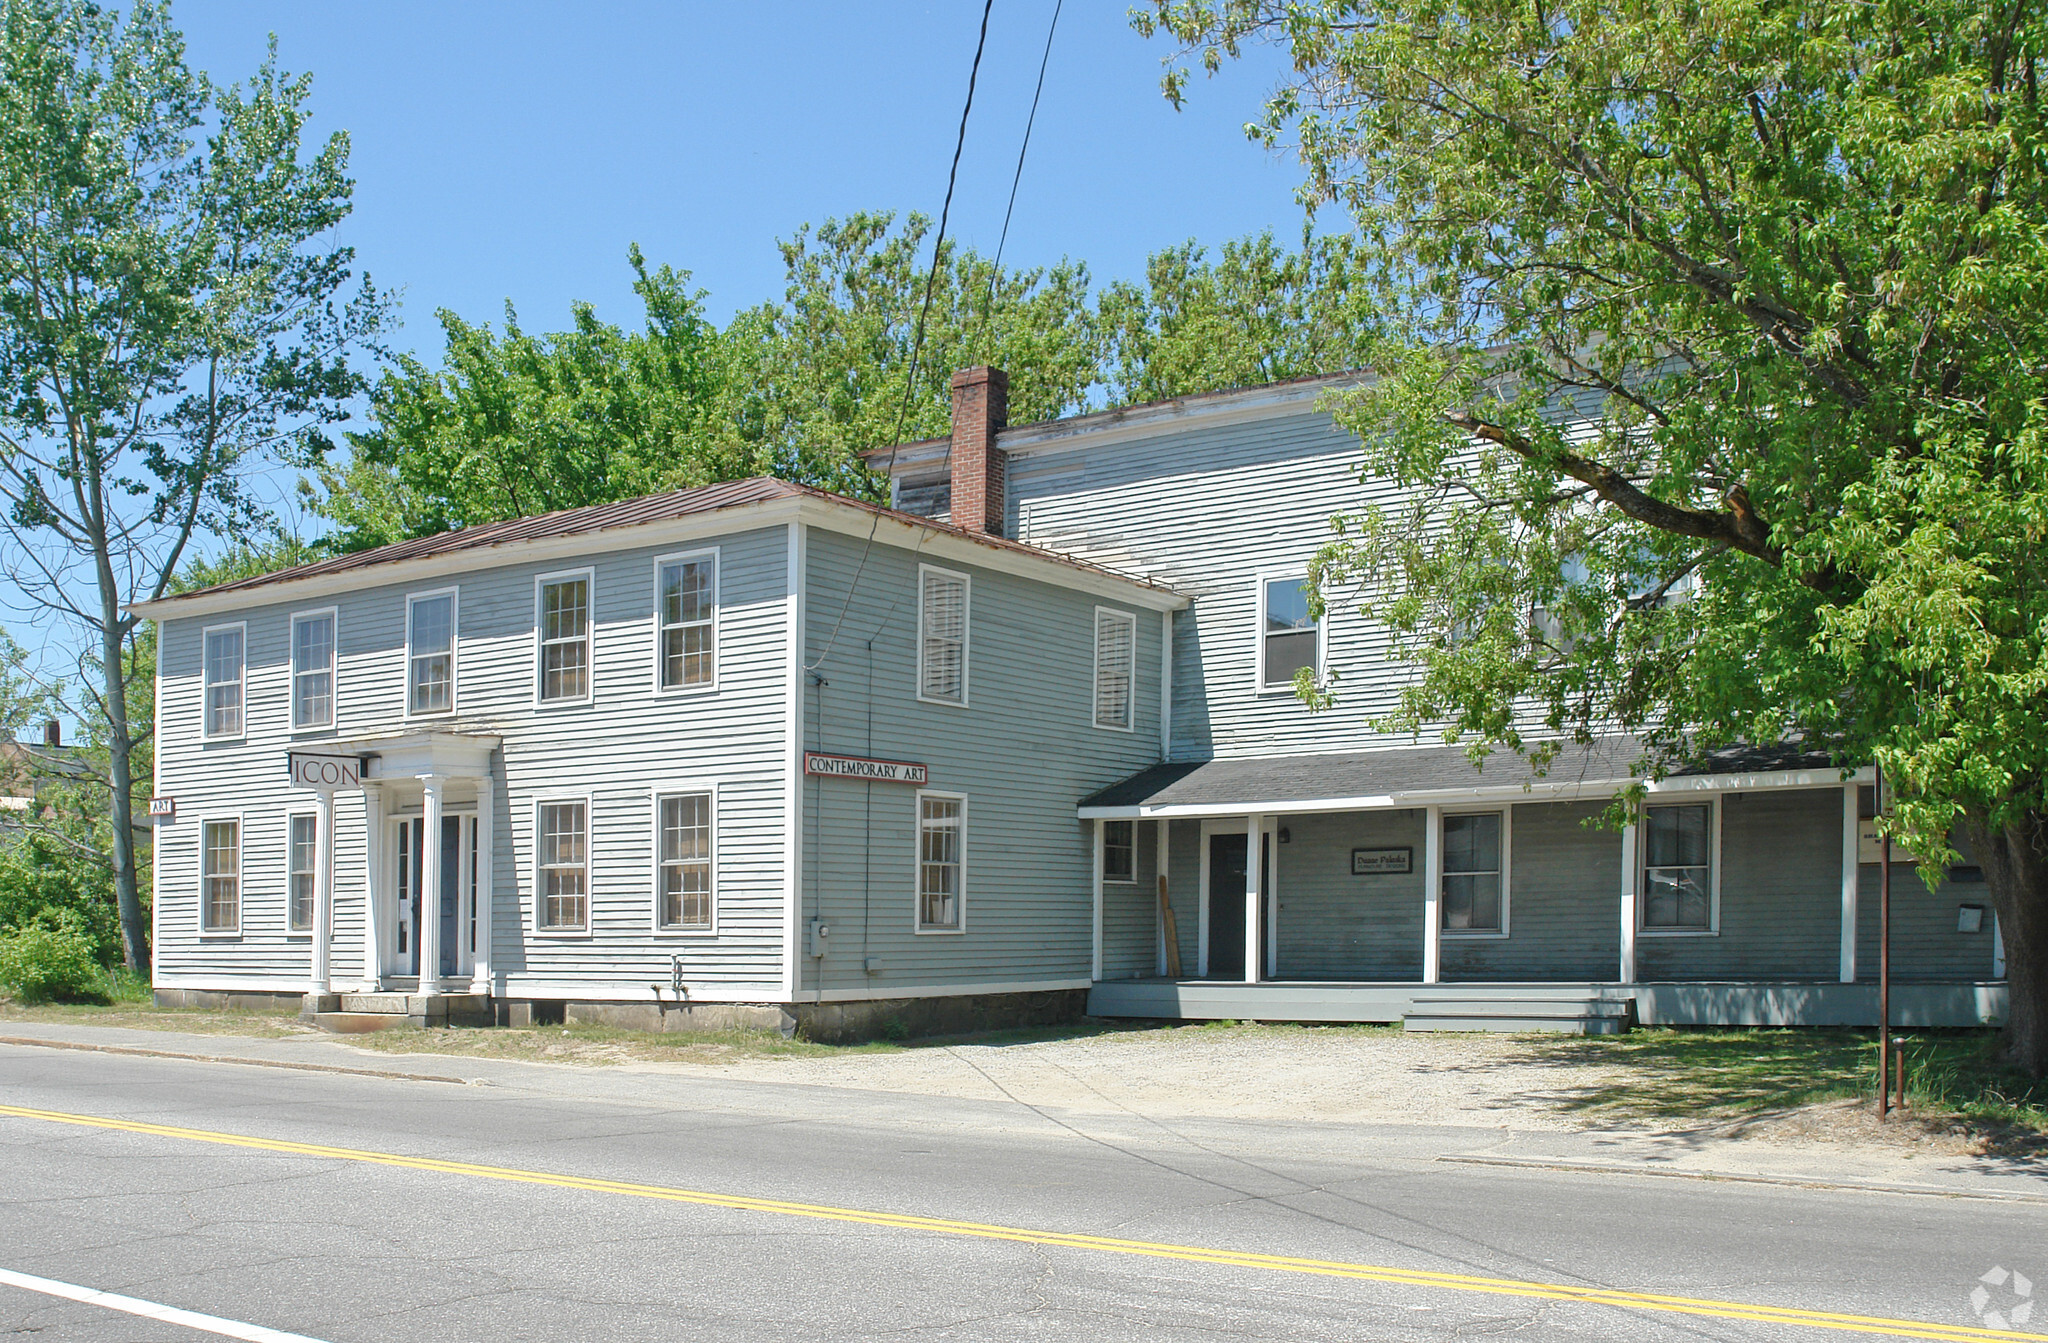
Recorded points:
(860, 767)
(163, 810)
(325, 773)
(1382, 862)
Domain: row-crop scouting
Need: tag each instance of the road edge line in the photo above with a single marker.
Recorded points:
(1787, 1181)
(291, 1065)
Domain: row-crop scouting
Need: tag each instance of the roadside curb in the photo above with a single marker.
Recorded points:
(1726, 1177)
(140, 1052)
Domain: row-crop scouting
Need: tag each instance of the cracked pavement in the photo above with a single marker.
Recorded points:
(357, 1253)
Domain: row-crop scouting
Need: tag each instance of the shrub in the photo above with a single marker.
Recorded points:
(42, 877)
(54, 957)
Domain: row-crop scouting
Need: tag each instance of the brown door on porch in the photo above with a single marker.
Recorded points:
(1227, 870)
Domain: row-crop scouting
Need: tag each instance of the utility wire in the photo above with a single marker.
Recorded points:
(917, 335)
(996, 270)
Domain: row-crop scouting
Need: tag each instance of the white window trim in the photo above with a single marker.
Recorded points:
(540, 582)
(293, 813)
(655, 799)
(1506, 813)
(333, 614)
(1131, 880)
(454, 594)
(1095, 673)
(589, 867)
(917, 862)
(717, 621)
(1713, 929)
(966, 634)
(1260, 583)
(205, 685)
(241, 873)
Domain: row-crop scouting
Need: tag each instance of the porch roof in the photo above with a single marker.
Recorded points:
(1412, 776)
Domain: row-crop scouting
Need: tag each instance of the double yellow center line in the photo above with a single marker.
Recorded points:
(1194, 1254)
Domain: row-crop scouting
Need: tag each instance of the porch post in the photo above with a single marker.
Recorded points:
(1432, 894)
(1850, 854)
(1159, 906)
(323, 897)
(1095, 943)
(1630, 839)
(1255, 898)
(373, 887)
(429, 931)
(481, 979)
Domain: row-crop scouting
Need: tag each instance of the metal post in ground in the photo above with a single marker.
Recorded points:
(1884, 954)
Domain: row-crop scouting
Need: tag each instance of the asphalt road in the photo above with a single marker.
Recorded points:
(616, 1207)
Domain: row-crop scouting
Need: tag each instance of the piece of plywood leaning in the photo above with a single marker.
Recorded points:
(1172, 931)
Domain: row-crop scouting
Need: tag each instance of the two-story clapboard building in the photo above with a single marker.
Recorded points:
(1025, 741)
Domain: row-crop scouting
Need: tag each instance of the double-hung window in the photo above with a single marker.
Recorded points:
(1290, 638)
(686, 611)
(1119, 851)
(684, 896)
(1116, 663)
(562, 860)
(1678, 871)
(430, 653)
(942, 636)
(564, 622)
(220, 877)
(1474, 892)
(302, 861)
(941, 861)
(313, 656)
(224, 669)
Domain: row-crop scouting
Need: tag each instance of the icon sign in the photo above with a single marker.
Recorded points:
(325, 773)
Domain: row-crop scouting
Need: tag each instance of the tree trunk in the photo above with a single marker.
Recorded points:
(2015, 863)
(121, 781)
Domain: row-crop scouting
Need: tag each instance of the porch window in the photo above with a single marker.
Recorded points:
(942, 636)
(563, 856)
(688, 607)
(220, 877)
(685, 896)
(313, 670)
(1119, 851)
(430, 653)
(1472, 873)
(223, 670)
(303, 871)
(1116, 655)
(1291, 638)
(941, 853)
(1678, 868)
(565, 639)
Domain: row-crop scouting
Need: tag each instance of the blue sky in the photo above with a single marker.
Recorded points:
(512, 150)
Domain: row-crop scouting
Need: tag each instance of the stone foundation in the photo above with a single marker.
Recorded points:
(675, 1016)
(253, 1002)
(905, 1018)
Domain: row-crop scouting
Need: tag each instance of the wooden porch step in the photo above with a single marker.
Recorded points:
(1571, 1016)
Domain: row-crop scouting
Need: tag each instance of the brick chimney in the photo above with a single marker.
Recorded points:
(981, 406)
(53, 734)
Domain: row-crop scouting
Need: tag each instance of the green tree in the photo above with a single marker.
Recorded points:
(171, 314)
(1789, 263)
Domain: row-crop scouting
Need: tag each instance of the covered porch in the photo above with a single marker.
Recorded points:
(1408, 885)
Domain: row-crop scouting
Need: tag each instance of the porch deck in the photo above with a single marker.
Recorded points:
(1723, 1003)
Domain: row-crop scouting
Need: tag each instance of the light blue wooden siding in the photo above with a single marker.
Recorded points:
(1564, 911)
(1926, 943)
(619, 750)
(1184, 891)
(1333, 925)
(1130, 912)
(1781, 894)
(1025, 751)
(1208, 511)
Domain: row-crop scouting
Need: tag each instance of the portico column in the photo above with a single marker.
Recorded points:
(1851, 857)
(323, 898)
(429, 930)
(1255, 899)
(1631, 867)
(481, 978)
(373, 887)
(1432, 894)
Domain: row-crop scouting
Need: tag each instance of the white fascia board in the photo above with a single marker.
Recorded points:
(953, 548)
(574, 545)
(1539, 791)
(1118, 426)
(767, 992)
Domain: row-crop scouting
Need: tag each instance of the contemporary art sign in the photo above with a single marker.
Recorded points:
(860, 767)
(325, 773)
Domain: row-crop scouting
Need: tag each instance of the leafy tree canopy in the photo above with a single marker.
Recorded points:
(1787, 266)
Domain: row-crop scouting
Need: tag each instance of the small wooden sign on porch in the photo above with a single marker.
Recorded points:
(1382, 862)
